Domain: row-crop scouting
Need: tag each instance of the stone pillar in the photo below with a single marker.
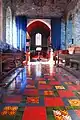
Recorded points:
(63, 32)
(69, 32)
(77, 28)
(1, 19)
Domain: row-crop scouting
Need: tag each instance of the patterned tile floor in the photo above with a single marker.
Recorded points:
(41, 92)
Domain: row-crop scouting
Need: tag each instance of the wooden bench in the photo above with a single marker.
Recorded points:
(75, 58)
(60, 55)
(71, 56)
(9, 62)
(74, 62)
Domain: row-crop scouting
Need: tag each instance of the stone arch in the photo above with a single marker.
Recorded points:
(43, 28)
(43, 21)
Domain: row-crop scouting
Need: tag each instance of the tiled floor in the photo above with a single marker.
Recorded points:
(41, 92)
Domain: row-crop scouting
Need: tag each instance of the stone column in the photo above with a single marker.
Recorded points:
(1, 19)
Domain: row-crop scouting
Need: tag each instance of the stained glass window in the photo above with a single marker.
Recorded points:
(38, 39)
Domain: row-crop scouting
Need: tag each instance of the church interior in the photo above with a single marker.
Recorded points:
(40, 59)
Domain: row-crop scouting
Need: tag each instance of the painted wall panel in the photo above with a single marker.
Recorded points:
(56, 33)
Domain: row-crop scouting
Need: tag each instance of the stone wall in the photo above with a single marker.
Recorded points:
(63, 42)
(69, 33)
(74, 30)
(1, 19)
(7, 4)
(29, 9)
(76, 19)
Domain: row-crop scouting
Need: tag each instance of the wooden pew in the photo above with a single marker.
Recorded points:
(75, 60)
(60, 56)
(9, 62)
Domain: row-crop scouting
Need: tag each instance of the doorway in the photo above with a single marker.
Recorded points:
(38, 40)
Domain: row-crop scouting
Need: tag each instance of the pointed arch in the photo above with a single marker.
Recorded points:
(40, 21)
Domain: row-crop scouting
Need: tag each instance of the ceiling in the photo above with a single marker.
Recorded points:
(40, 8)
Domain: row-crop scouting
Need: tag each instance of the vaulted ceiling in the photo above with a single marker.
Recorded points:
(41, 8)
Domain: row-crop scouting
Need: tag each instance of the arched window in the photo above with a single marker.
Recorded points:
(14, 33)
(38, 39)
(9, 26)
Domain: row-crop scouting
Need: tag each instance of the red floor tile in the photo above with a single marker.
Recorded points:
(42, 87)
(51, 79)
(53, 102)
(31, 92)
(54, 83)
(74, 87)
(34, 113)
(66, 93)
(13, 99)
(41, 78)
(77, 112)
(77, 87)
(47, 76)
(41, 99)
(30, 82)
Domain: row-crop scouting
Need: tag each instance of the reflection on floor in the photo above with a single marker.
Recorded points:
(41, 92)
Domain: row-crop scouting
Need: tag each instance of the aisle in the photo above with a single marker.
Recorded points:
(42, 92)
